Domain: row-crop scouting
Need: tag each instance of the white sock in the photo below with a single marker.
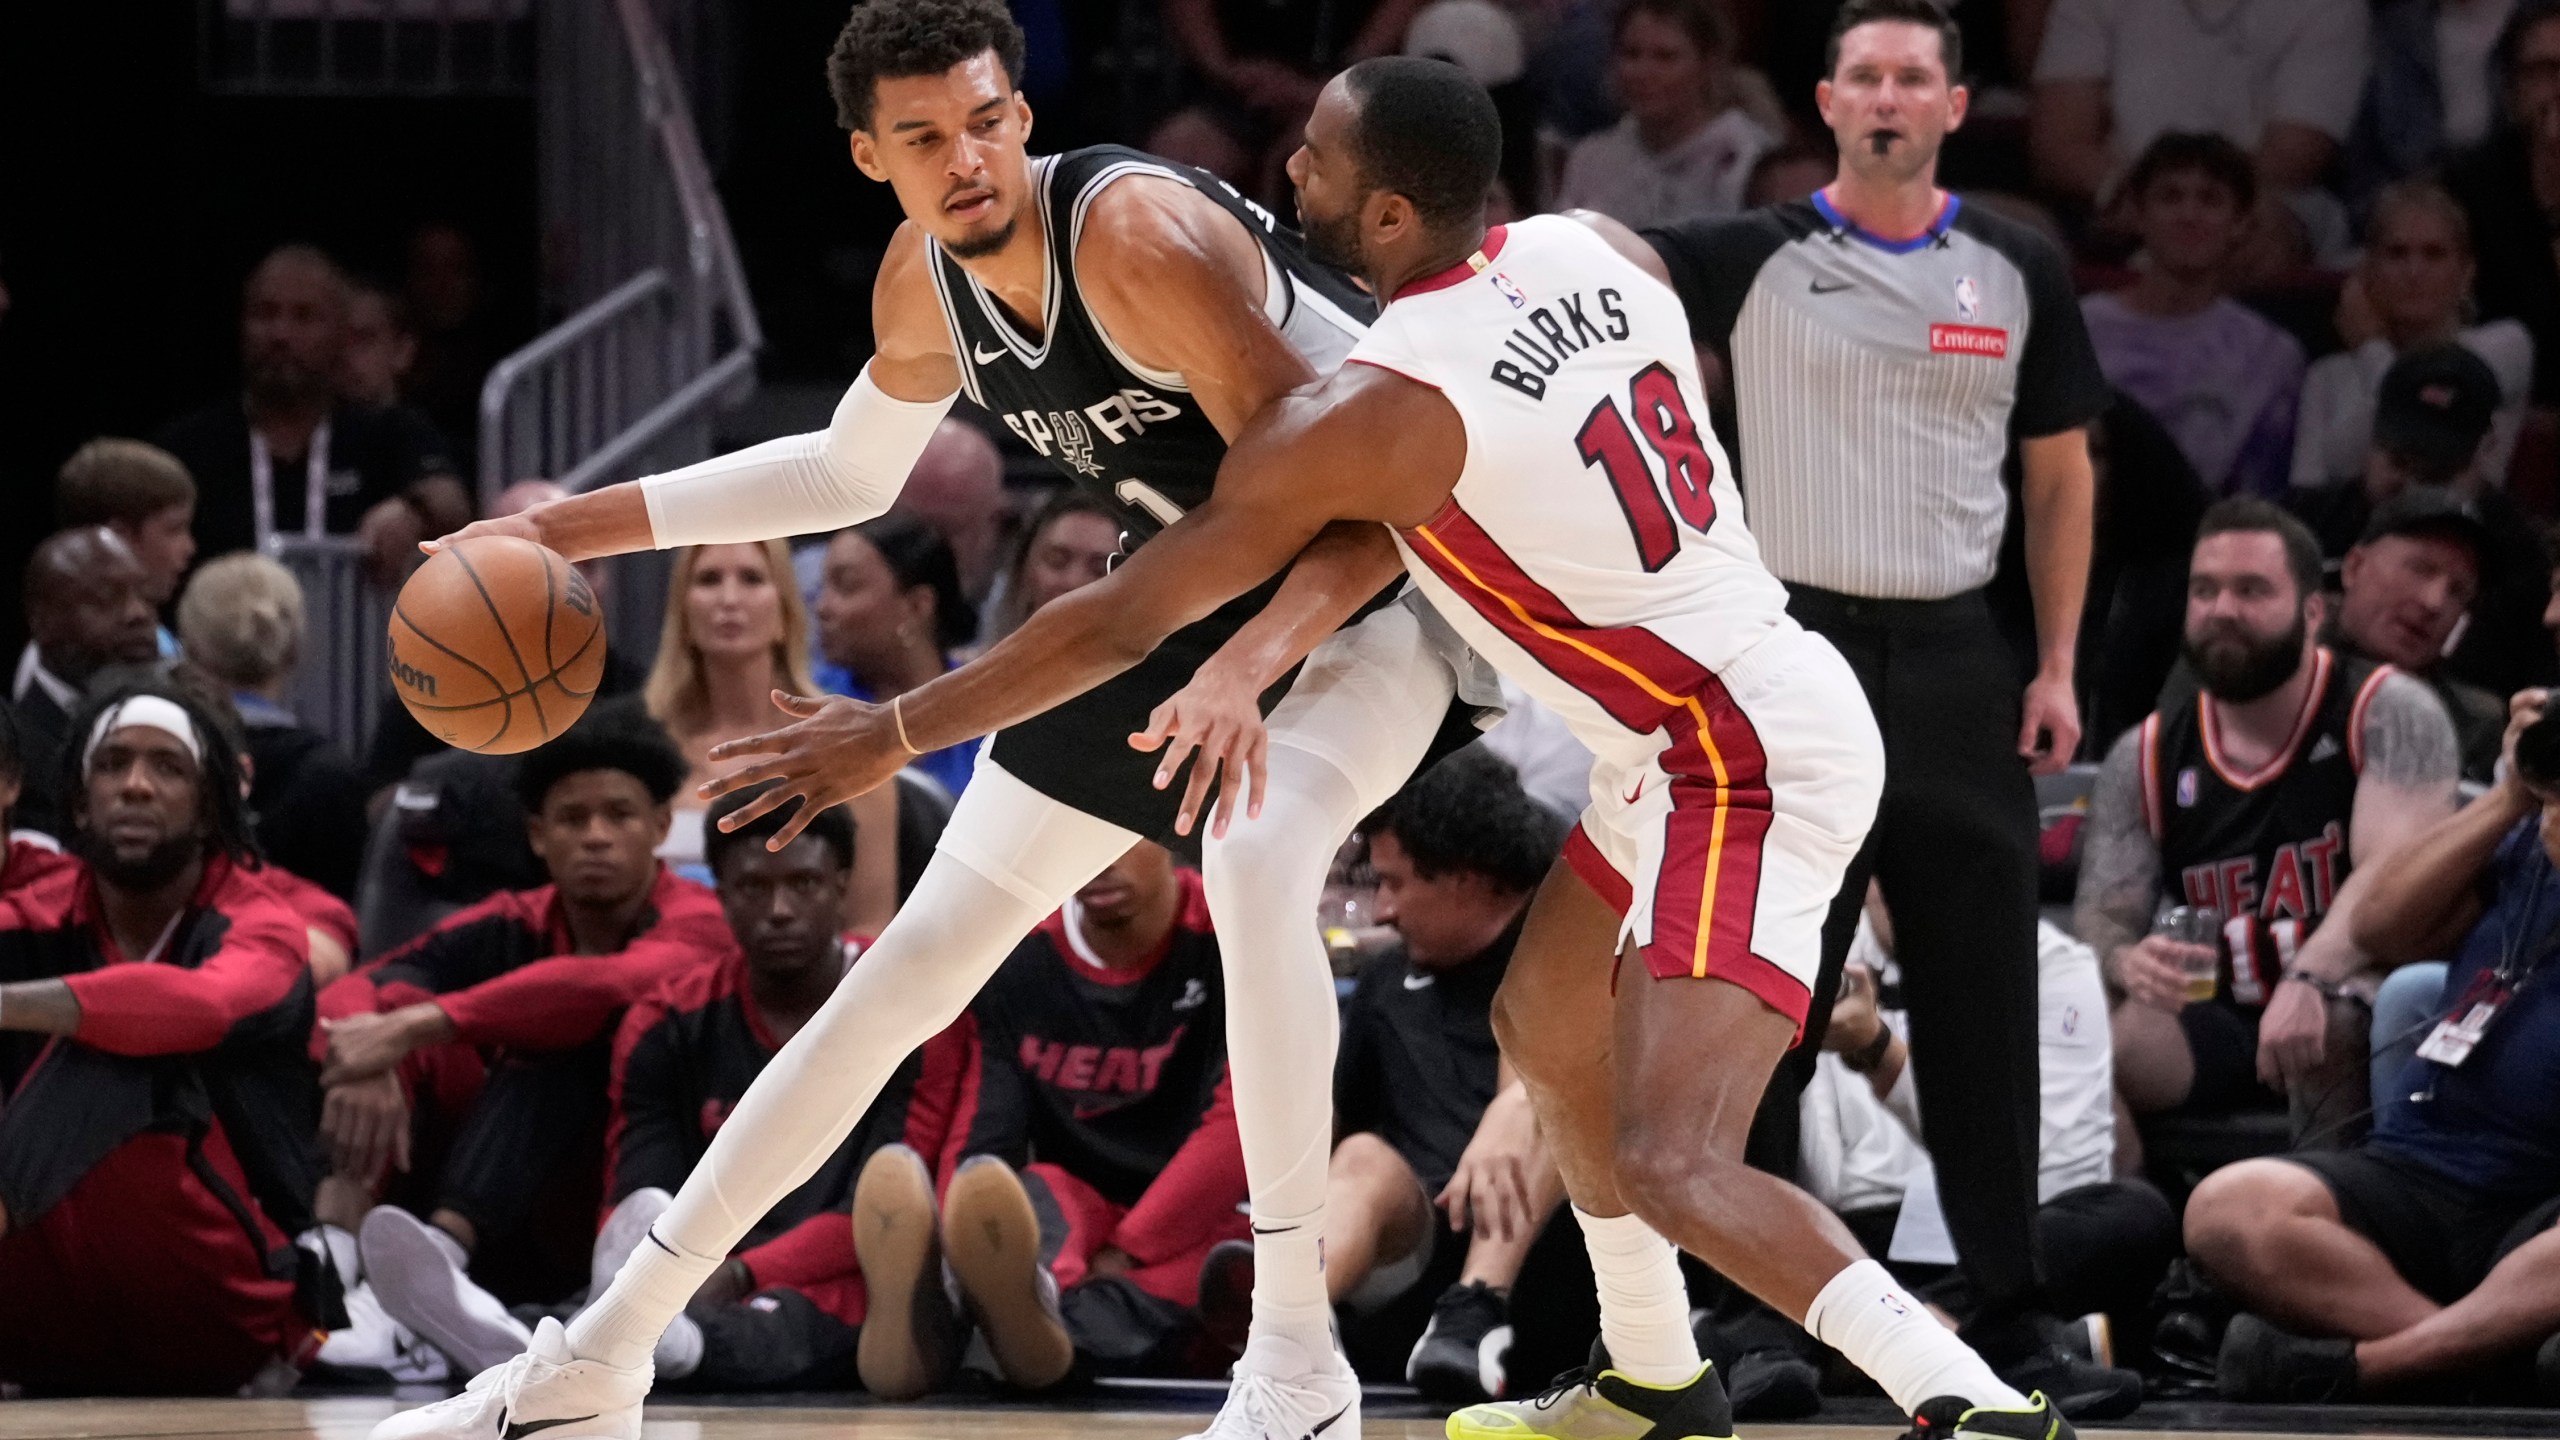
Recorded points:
(1889, 1334)
(1263, 879)
(679, 1351)
(1288, 1281)
(1008, 857)
(1644, 1302)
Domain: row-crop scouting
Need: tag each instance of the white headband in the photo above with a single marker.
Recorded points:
(151, 712)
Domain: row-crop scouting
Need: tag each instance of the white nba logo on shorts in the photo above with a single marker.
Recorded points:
(1968, 298)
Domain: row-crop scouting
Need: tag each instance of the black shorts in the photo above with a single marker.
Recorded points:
(2441, 1235)
(2223, 1039)
(1079, 755)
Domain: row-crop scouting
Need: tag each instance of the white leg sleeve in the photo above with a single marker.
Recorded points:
(1347, 737)
(1009, 857)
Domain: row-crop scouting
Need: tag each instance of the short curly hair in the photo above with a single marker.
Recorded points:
(895, 39)
(616, 734)
(1469, 814)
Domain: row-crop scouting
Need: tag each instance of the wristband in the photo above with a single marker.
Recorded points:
(2326, 989)
(898, 712)
(1867, 1057)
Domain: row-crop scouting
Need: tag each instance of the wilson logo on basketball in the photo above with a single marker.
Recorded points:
(1969, 340)
(411, 676)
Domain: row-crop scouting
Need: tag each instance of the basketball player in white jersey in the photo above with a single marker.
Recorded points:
(1526, 415)
(1127, 318)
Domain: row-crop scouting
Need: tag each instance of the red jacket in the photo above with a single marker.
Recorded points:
(503, 973)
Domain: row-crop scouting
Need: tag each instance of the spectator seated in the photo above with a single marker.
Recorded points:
(2102, 1242)
(2222, 378)
(288, 456)
(2433, 422)
(1439, 1183)
(466, 1073)
(2423, 1261)
(154, 1097)
(242, 621)
(144, 494)
(88, 606)
(1101, 1165)
(2256, 800)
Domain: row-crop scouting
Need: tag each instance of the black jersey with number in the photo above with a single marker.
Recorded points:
(1135, 439)
(2268, 848)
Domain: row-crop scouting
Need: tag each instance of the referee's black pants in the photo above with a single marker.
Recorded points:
(1955, 849)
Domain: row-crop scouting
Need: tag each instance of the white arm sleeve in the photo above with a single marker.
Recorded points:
(800, 484)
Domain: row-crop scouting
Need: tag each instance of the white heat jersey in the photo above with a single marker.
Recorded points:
(1594, 548)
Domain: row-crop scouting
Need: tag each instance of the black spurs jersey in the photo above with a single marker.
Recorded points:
(1134, 438)
(2267, 849)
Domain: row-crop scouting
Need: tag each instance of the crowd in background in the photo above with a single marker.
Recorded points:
(451, 1028)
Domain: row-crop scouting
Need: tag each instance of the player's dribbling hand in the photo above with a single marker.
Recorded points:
(1219, 717)
(838, 749)
(2049, 732)
(519, 526)
(2152, 972)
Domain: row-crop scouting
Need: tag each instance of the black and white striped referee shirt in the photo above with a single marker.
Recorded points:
(1881, 383)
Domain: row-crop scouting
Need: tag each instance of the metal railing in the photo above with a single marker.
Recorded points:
(667, 332)
(367, 47)
(341, 679)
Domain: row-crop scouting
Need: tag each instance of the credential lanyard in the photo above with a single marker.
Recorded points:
(315, 485)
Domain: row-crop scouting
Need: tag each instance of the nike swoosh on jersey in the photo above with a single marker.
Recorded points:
(984, 357)
(1418, 982)
(1819, 288)
(517, 1430)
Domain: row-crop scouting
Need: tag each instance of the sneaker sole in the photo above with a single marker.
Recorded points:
(418, 1286)
(893, 1233)
(992, 1240)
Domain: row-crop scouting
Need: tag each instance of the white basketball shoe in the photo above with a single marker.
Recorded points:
(545, 1391)
(1281, 1391)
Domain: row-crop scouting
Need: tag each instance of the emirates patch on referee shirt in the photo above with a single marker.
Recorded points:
(1969, 340)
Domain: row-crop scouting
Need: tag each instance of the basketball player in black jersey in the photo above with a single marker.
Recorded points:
(1125, 318)
(2261, 797)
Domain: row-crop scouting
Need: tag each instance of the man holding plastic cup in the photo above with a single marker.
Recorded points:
(2256, 800)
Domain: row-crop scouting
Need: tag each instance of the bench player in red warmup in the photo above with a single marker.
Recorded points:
(1526, 416)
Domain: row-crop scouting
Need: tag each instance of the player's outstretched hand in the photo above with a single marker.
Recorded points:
(519, 526)
(839, 748)
(1218, 716)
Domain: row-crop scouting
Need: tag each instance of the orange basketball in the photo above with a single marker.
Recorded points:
(496, 645)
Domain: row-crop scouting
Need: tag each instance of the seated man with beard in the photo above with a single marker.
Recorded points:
(155, 1102)
(2257, 799)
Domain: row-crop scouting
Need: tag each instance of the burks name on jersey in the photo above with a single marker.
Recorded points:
(1563, 326)
(1065, 436)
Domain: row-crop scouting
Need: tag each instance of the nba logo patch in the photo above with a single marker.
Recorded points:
(1510, 291)
(2186, 788)
(1968, 299)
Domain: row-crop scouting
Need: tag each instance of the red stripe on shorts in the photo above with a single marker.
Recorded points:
(1707, 890)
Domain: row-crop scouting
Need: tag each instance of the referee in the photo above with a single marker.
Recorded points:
(1888, 344)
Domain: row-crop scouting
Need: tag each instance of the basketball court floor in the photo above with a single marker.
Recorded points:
(1136, 1413)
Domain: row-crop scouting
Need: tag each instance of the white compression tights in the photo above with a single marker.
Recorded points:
(1264, 881)
(1009, 857)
